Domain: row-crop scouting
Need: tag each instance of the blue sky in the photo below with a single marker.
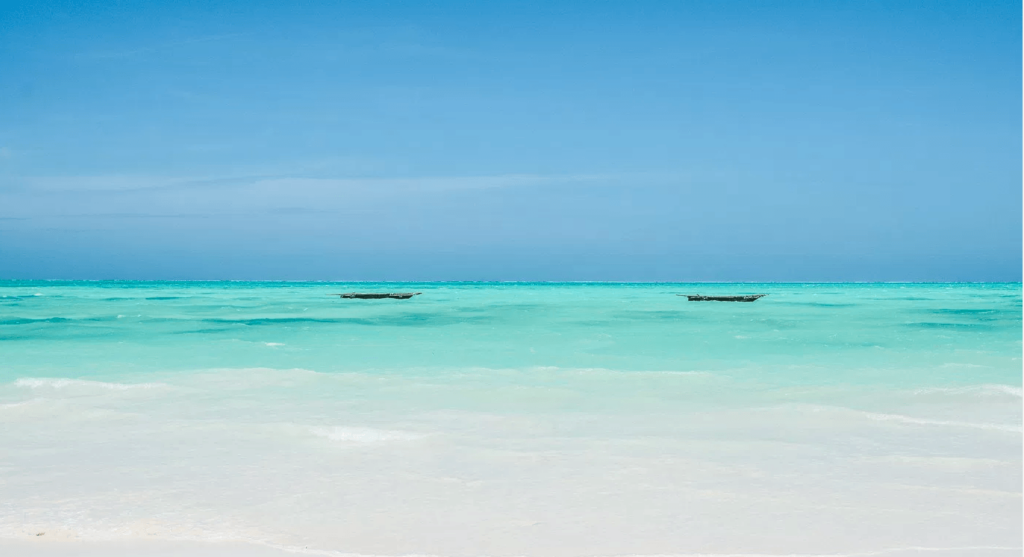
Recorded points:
(511, 140)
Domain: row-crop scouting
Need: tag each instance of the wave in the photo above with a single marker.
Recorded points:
(20, 404)
(363, 434)
(982, 390)
(31, 320)
(258, 374)
(924, 421)
(457, 371)
(59, 383)
(901, 418)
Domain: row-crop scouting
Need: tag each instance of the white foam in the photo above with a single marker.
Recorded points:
(964, 365)
(54, 383)
(924, 421)
(900, 418)
(20, 404)
(274, 343)
(982, 390)
(363, 434)
(593, 371)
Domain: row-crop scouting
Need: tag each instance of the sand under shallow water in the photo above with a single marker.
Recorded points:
(265, 419)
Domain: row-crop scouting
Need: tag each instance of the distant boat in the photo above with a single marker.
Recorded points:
(379, 295)
(699, 298)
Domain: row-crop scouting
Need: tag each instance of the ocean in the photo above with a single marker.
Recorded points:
(510, 419)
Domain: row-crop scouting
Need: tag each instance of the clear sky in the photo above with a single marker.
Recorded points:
(544, 140)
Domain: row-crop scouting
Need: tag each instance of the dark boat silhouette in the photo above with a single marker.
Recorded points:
(700, 298)
(378, 295)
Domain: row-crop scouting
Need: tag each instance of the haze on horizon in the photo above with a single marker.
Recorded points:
(511, 140)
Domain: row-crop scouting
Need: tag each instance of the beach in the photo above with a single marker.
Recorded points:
(509, 419)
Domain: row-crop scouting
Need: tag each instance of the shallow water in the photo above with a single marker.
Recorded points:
(514, 418)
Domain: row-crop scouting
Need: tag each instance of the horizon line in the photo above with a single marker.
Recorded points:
(299, 281)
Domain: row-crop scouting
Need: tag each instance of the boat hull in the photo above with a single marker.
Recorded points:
(699, 298)
(379, 295)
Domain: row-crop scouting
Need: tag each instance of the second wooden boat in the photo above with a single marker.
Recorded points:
(700, 298)
(378, 295)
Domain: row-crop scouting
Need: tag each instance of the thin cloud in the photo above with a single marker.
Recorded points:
(127, 183)
(143, 197)
(137, 52)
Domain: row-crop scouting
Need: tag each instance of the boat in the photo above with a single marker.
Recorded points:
(700, 298)
(378, 295)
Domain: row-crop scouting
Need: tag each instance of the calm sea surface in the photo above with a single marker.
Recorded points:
(514, 418)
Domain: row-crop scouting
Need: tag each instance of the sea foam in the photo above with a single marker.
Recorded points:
(60, 383)
(363, 434)
(950, 423)
(980, 390)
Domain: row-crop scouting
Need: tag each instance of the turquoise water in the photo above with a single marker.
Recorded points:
(886, 334)
(547, 419)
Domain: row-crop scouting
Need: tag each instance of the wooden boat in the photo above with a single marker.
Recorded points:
(378, 295)
(699, 298)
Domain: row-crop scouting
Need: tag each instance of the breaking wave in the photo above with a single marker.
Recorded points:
(363, 434)
(952, 423)
(53, 383)
(981, 390)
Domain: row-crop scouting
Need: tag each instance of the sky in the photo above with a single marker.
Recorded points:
(436, 140)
